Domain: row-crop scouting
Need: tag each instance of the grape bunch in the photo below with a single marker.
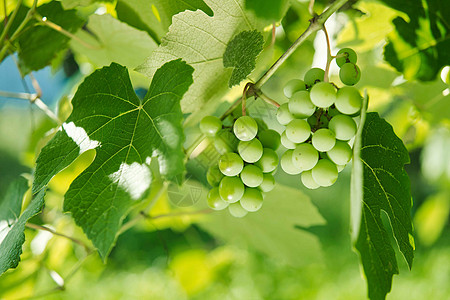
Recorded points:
(245, 170)
(319, 124)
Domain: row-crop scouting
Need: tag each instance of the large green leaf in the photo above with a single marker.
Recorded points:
(113, 41)
(272, 230)
(126, 132)
(12, 225)
(419, 47)
(272, 10)
(155, 16)
(385, 187)
(39, 44)
(68, 4)
(201, 41)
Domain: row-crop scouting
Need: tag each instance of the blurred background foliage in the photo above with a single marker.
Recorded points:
(298, 246)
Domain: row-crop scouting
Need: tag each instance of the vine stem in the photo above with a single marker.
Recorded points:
(315, 25)
(329, 57)
(9, 22)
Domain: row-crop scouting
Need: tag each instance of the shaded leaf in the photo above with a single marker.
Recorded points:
(12, 226)
(68, 4)
(272, 10)
(241, 55)
(109, 117)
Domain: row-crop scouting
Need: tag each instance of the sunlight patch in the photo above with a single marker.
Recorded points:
(134, 179)
(5, 227)
(80, 137)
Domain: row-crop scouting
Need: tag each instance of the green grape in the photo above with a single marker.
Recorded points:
(298, 131)
(210, 125)
(323, 122)
(308, 180)
(231, 164)
(305, 157)
(348, 100)
(348, 56)
(344, 127)
(268, 183)
(231, 189)
(340, 167)
(325, 172)
(341, 153)
(323, 94)
(268, 161)
(225, 141)
(236, 210)
(300, 105)
(323, 139)
(214, 200)
(252, 176)
(245, 128)
(293, 86)
(214, 175)
(287, 163)
(349, 74)
(283, 114)
(252, 200)
(250, 151)
(269, 139)
(286, 142)
(314, 75)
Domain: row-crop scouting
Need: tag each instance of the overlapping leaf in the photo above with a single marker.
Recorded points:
(126, 132)
(385, 187)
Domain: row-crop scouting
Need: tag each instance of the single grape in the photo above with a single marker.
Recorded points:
(287, 143)
(230, 164)
(348, 100)
(346, 55)
(252, 176)
(287, 163)
(231, 189)
(314, 75)
(298, 131)
(214, 200)
(293, 86)
(308, 180)
(300, 105)
(325, 172)
(268, 183)
(236, 210)
(252, 200)
(269, 139)
(283, 114)
(341, 153)
(225, 141)
(349, 74)
(323, 94)
(340, 167)
(250, 151)
(268, 161)
(305, 156)
(344, 127)
(210, 125)
(323, 139)
(245, 128)
(214, 175)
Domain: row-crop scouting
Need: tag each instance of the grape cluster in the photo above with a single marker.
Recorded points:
(319, 126)
(245, 169)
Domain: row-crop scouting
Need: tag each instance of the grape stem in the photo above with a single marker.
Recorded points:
(329, 56)
(316, 23)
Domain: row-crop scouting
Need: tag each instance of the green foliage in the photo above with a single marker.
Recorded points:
(155, 16)
(69, 4)
(385, 187)
(241, 55)
(272, 10)
(108, 116)
(201, 41)
(12, 225)
(419, 47)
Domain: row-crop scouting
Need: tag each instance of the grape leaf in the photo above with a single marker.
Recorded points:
(113, 41)
(155, 16)
(201, 41)
(12, 226)
(272, 10)
(68, 4)
(39, 44)
(419, 47)
(385, 187)
(272, 230)
(126, 132)
(241, 54)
